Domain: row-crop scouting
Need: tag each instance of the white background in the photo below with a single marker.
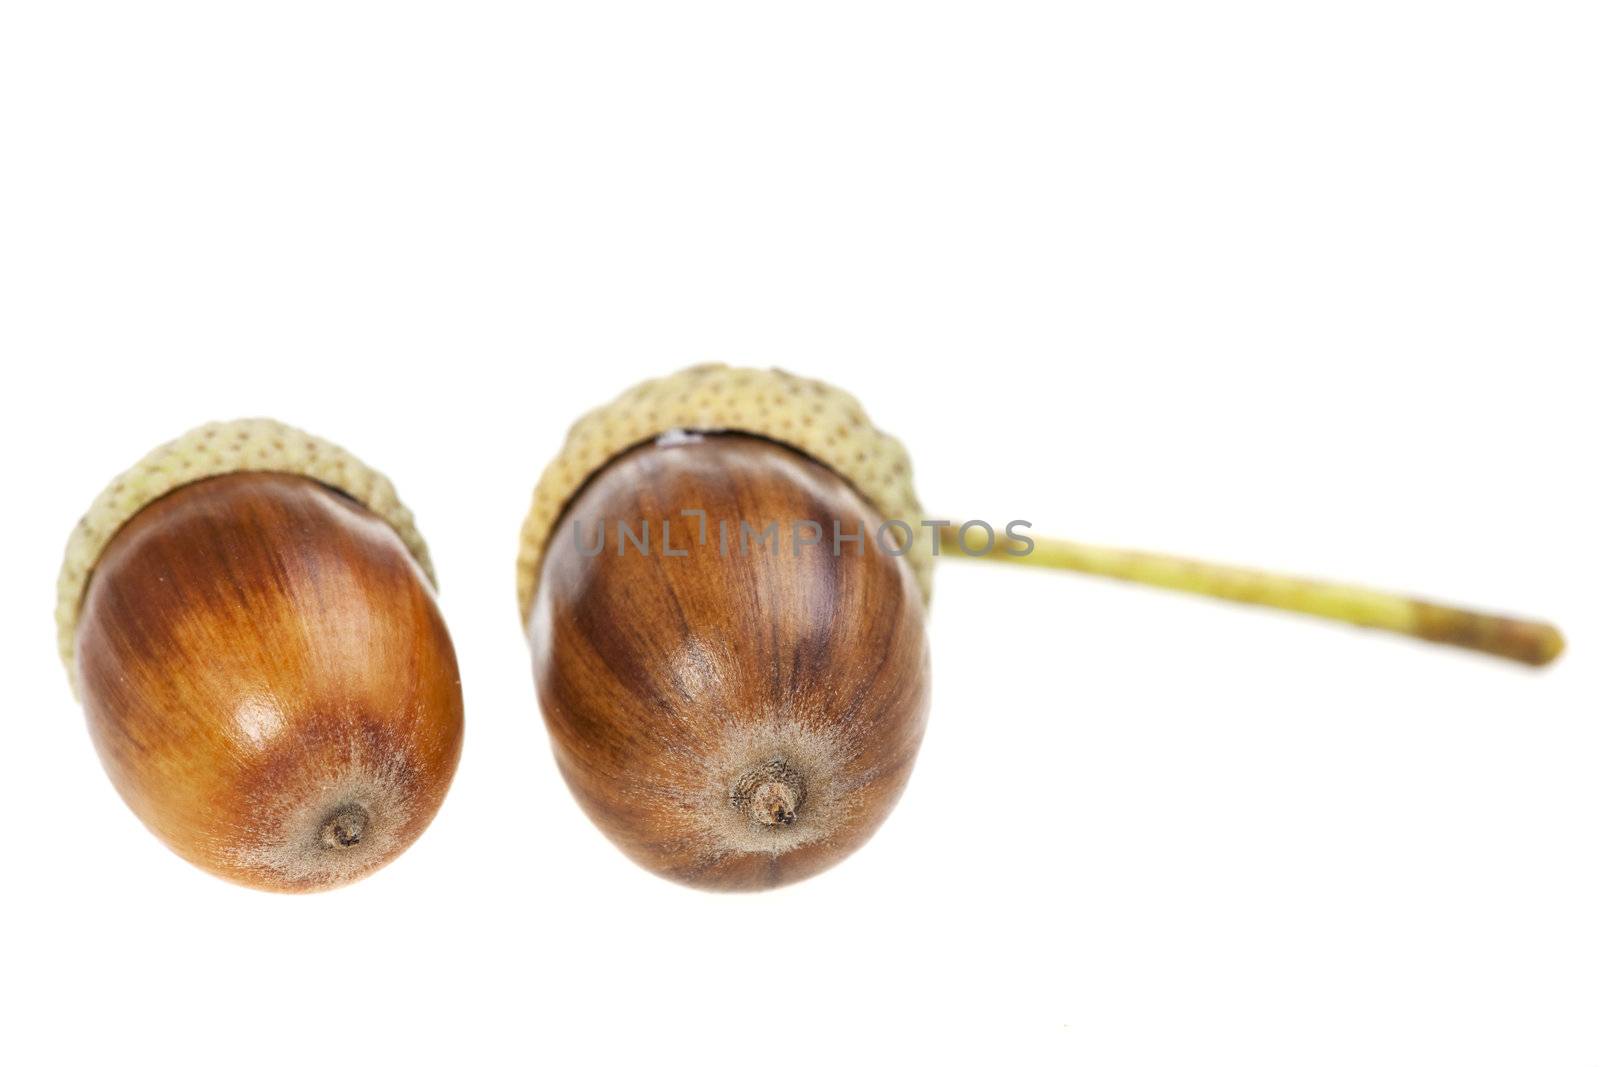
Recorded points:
(1307, 286)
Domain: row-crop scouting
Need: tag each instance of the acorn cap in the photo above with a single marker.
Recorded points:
(820, 420)
(214, 449)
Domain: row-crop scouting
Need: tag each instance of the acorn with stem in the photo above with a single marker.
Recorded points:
(723, 579)
(248, 618)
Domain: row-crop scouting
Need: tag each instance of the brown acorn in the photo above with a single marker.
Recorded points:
(734, 720)
(723, 580)
(263, 667)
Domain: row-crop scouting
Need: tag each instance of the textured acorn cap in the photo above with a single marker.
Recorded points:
(821, 420)
(205, 452)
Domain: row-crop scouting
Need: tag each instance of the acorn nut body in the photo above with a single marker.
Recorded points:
(733, 714)
(268, 680)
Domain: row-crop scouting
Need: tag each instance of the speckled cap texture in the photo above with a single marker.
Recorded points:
(813, 417)
(210, 450)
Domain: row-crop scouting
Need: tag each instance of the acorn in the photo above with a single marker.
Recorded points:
(723, 580)
(248, 618)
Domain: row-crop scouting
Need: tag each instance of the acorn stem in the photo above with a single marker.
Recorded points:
(1524, 640)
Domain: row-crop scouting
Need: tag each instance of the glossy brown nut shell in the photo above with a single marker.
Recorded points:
(268, 681)
(738, 719)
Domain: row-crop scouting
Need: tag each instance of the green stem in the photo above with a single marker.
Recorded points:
(1524, 640)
